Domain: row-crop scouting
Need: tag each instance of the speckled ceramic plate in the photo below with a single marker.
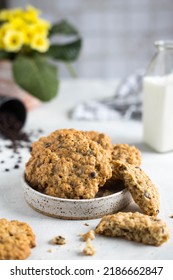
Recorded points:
(74, 208)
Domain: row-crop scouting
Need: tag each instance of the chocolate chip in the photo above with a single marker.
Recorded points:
(16, 166)
(47, 145)
(7, 170)
(93, 175)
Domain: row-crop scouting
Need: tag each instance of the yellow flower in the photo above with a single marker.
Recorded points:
(4, 15)
(3, 30)
(23, 26)
(28, 33)
(31, 14)
(18, 24)
(8, 15)
(42, 27)
(1, 42)
(40, 43)
(15, 13)
(30, 30)
(13, 41)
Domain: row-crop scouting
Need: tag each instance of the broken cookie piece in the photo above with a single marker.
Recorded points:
(142, 189)
(134, 226)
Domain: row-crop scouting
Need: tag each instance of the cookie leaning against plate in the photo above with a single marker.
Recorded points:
(134, 226)
(68, 164)
(143, 191)
(16, 239)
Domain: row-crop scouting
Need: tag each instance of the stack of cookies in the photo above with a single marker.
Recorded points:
(76, 164)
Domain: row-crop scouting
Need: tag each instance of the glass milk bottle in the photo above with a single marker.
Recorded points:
(158, 99)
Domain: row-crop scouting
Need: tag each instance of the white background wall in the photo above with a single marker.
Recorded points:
(118, 35)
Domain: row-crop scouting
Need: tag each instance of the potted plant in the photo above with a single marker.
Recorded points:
(29, 42)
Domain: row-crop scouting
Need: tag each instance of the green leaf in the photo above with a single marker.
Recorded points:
(37, 76)
(65, 52)
(4, 55)
(63, 27)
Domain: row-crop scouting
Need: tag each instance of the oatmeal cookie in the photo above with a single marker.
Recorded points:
(16, 239)
(101, 138)
(143, 191)
(125, 153)
(68, 164)
(134, 226)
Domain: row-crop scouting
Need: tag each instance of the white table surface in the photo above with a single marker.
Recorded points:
(54, 115)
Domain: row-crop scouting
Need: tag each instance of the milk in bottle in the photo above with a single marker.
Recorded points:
(158, 100)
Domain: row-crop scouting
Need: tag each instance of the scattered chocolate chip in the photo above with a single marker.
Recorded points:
(2, 161)
(86, 224)
(7, 170)
(16, 166)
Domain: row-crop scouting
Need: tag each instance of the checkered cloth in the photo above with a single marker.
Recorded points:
(126, 103)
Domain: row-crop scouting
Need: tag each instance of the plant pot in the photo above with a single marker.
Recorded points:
(8, 87)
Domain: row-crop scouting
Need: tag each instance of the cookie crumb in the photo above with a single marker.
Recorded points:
(89, 249)
(50, 250)
(171, 216)
(90, 235)
(86, 224)
(58, 240)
